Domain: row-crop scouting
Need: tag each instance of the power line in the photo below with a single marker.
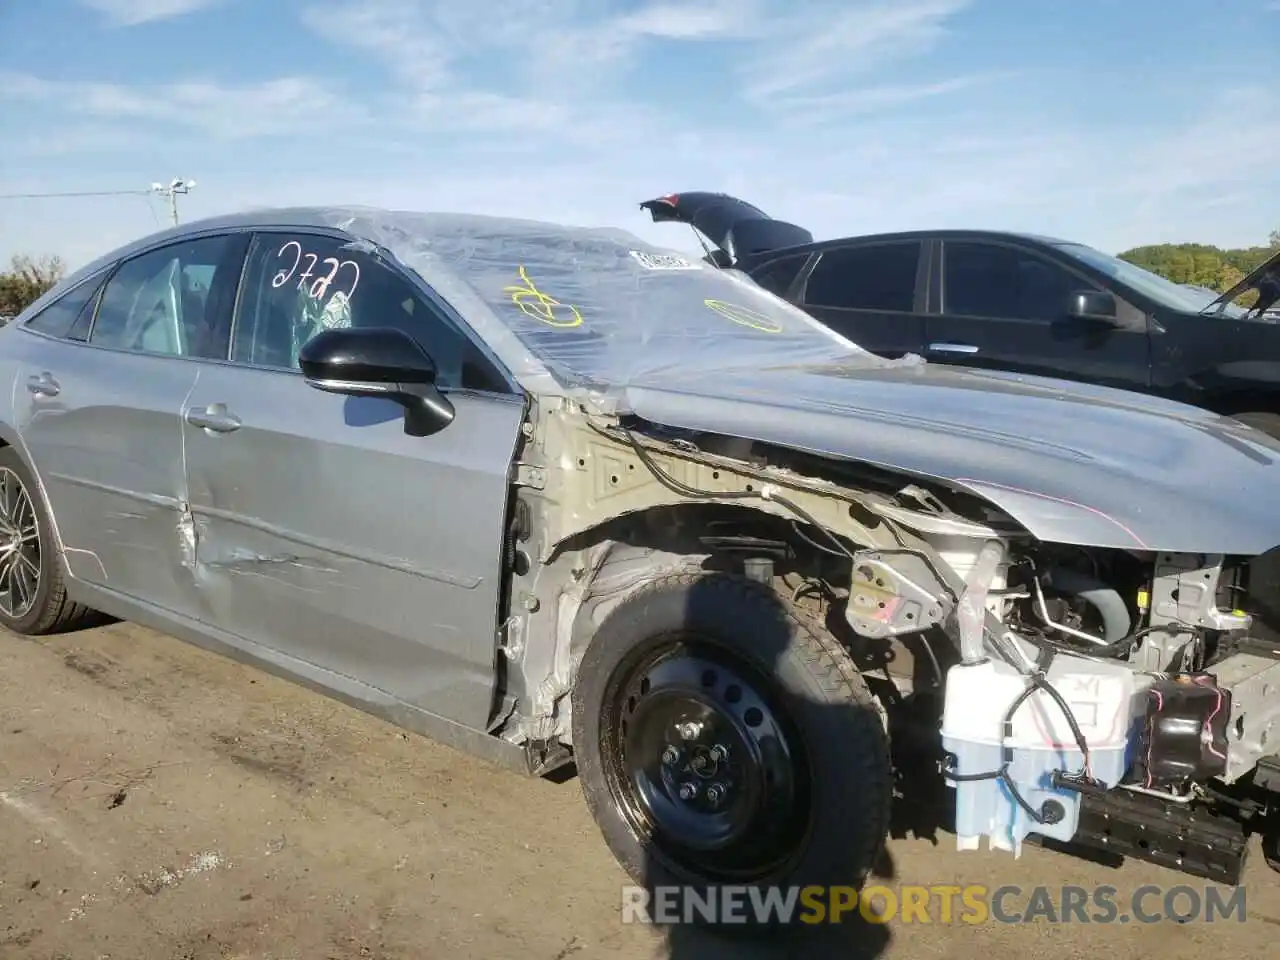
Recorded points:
(170, 191)
(74, 193)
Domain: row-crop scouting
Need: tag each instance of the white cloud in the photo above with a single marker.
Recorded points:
(286, 105)
(521, 52)
(532, 110)
(813, 48)
(130, 13)
(679, 22)
(871, 99)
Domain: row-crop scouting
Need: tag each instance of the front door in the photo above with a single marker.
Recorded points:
(868, 294)
(1004, 307)
(102, 419)
(325, 533)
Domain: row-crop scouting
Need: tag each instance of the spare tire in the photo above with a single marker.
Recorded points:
(723, 741)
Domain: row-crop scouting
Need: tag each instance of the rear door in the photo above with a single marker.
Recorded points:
(871, 293)
(326, 533)
(100, 400)
(1004, 306)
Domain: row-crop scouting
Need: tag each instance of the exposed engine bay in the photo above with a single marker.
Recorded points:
(1100, 697)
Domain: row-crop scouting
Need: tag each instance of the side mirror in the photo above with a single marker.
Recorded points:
(379, 362)
(1097, 306)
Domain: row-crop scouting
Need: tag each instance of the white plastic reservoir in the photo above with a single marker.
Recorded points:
(1108, 703)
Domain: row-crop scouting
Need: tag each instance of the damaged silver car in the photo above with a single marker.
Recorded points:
(554, 495)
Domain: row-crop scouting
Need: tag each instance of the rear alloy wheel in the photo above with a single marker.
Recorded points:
(20, 551)
(722, 741)
(33, 594)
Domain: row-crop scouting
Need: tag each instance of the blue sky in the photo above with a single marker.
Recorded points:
(1113, 122)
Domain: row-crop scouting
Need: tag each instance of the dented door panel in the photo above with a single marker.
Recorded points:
(103, 430)
(326, 533)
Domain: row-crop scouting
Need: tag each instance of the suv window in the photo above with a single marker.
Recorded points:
(877, 277)
(777, 275)
(297, 285)
(991, 280)
(175, 300)
(70, 312)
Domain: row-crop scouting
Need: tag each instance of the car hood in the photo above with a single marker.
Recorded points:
(1072, 463)
(1265, 279)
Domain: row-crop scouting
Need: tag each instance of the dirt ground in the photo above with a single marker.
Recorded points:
(157, 801)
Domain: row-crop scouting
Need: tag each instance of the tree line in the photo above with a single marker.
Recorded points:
(1193, 263)
(1201, 264)
(25, 280)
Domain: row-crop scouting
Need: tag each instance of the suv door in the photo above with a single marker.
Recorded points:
(104, 375)
(326, 533)
(871, 293)
(1005, 307)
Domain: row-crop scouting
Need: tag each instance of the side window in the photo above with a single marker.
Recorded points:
(297, 285)
(989, 280)
(777, 275)
(879, 277)
(175, 300)
(70, 312)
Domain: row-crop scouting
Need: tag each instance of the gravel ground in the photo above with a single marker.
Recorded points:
(157, 801)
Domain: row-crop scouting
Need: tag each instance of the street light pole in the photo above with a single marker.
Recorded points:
(171, 191)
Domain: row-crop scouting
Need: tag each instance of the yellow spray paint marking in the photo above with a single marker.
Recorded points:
(745, 316)
(534, 303)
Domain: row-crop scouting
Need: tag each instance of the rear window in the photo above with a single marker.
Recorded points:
(880, 277)
(70, 313)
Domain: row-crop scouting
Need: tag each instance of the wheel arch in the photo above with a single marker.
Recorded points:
(10, 438)
(594, 572)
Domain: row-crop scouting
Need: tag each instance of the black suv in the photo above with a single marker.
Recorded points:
(1013, 302)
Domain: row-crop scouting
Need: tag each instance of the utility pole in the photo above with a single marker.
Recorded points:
(171, 190)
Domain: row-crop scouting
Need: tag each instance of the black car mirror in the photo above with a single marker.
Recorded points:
(1097, 306)
(379, 362)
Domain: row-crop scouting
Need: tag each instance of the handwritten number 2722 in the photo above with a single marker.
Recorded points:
(320, 282)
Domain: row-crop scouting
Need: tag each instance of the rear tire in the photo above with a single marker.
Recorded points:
(786, 764)
(33, 593)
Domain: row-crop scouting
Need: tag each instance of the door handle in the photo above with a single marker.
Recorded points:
(952, 348)
(43, 385)
(214, 418)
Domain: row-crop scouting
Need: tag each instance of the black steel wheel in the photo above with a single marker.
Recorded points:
(703, 761)
(724, 741)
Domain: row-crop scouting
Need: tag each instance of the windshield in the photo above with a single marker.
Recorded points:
(599, 309)
(1175, 296)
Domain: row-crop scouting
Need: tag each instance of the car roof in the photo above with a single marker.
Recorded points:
(564, 307)
(939, 234)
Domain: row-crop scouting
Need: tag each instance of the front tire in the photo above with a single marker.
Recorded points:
(723, 741)
(33, 593)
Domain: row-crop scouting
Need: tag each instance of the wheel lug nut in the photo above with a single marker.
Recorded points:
(671, 756)
(719, 753)
(689, 731)
(716, 794)
(688, 791)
